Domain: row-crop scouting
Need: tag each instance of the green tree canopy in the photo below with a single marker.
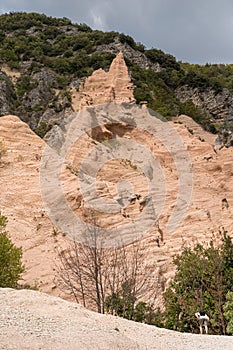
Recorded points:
(228, 312)
(204, 275)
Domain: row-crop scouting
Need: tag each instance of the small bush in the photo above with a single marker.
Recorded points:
(11, 266)
(2, 150)
(42, 129)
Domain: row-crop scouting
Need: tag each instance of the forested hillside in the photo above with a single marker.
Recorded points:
(54, 54)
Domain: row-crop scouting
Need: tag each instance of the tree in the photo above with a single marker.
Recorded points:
(228, 312)
(135, 282)
(203, 277)
(112, 279)
(11, 266)
(83, 271)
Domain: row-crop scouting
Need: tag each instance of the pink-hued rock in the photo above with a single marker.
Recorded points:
(105, 87)
(210, 208)
(21, 202)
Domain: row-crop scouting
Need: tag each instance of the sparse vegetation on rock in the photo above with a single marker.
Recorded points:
(11, 266)
(2, 150)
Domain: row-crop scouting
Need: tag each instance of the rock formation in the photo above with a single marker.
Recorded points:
(217, 105)
(30, 226)
(21, 202)
(134, 56)
(37, 84)
(105, 87)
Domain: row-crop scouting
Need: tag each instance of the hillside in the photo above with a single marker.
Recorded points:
(33, 320)
(43, 58)
(30, 225)
(77, 150)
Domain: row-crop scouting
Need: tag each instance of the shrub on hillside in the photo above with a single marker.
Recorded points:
(11, 266)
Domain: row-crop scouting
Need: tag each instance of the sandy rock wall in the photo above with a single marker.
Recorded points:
(210, 208)
(28, 223)
(30, 227)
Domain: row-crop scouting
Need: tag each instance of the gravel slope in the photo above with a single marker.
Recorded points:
(33, 320)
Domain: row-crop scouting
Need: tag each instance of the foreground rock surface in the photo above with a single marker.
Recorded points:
(33, 320)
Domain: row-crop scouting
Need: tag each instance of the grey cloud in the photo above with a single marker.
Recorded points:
(195, 31)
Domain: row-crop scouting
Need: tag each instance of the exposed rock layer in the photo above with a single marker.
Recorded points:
(30, 227)
(134, 56)
(21, 193)
(21, 202)
(218, 106)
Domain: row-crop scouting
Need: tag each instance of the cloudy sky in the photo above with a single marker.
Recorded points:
(197, 31)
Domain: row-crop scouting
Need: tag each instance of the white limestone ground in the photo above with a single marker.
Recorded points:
(31, 320)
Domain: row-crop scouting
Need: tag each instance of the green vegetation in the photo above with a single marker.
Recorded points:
(228, 312)
(150, 87)
(126, 39)
(216, 76)
(124, 304)
(24, 84)
(42, 129)
(11, 266)
(165, 60)
(3, 150)
(158, 90)
(52, 42)
(72, 52)
(203, 279)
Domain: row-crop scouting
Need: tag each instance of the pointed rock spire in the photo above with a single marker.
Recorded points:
(105, 87)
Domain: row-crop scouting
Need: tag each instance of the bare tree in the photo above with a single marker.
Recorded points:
(91, 273)
(83, 271)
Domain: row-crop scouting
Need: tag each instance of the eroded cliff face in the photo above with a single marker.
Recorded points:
(210, 207)
(28, 223)
(136, 57)
(217, 104)
(35, 97)
(31, 228)
(219, 107)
